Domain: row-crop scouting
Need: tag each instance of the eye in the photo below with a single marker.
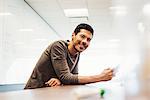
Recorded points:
(82, 36)
(88, 39)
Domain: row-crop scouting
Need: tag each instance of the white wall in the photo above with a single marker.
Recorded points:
(23, 37)
(121, 45)
(1, 19)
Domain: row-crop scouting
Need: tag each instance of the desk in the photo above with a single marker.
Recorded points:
(49, 93)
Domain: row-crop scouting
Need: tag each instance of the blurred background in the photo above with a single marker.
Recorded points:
(121, 36)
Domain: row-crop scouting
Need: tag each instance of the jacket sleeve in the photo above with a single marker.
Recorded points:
(58, 57)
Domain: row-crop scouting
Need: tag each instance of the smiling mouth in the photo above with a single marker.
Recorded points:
(82, 47)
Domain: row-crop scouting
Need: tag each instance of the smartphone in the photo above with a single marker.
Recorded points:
(115, 69)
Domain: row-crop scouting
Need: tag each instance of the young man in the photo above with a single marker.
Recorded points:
(59, 62)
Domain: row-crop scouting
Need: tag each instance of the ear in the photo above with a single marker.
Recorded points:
(73, 34)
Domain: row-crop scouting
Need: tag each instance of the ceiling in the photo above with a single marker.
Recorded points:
(114, 21)
(52, 13)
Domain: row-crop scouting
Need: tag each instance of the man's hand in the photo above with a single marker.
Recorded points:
(53, 82)
(107, 74)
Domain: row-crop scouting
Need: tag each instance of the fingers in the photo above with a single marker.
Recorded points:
(50, 83)
(110, 75)
(53, 82)
(109, 71)
(107, 74)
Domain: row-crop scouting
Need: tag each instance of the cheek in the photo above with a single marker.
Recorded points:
(77, 41)
(88, 44)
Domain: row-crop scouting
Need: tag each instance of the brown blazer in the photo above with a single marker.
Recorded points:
(55, 62)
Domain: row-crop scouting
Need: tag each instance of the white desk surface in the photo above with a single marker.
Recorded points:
(70, 92)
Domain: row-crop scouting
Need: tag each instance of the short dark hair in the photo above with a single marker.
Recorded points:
(83, 26)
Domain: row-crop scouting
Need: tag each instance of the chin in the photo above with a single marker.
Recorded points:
(78, 50)
(81, 50)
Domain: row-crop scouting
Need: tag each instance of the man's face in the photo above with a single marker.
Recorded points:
(81, 40)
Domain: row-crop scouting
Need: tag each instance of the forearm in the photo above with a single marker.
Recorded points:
(89, 79)
(68, 78)
(106, 75)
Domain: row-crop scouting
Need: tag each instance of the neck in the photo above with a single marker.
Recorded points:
(71, 48)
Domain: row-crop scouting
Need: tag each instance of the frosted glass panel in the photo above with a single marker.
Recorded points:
(23, 37)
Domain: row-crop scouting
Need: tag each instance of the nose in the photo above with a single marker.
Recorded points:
(85, 42)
